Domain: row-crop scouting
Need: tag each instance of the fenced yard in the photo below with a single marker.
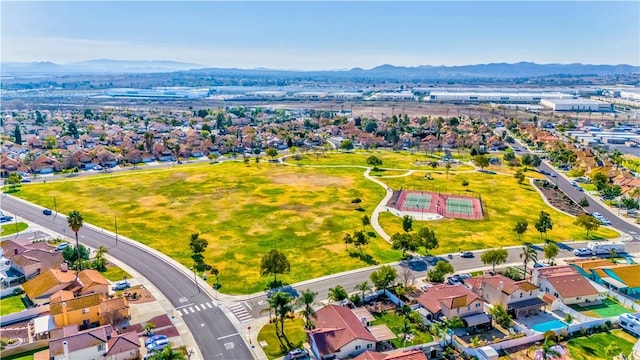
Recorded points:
(606, 308)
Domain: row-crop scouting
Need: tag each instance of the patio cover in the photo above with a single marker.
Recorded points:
(43, 324)
(476, 319)
(381, 332)
(363, 313)
(614, 282)
(526, 303)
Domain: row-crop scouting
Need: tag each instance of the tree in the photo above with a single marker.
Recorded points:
(74, 255)
(360, 240)
(526, 160)
(407, 223)
(365, 221)
(384, 276)
(528, 254)
(588, 222)
(519, 176)
(306, 301)
(551, 250)
(439, 271)
(168, 353)
(17, 135)
(404, 241)
(74, 219)
(337, 293)
(405, 332)
(346, 145)
(357, 201)
(364, 287)
(600, 180)
(281, 305)
(447, 167)
(99, 262)
(548, 349)
(465, 184)
(148, 327)
(629, 203)
(481, 160)
(215, 272)
(427, 238)
(198, 245)
(347, 240)
(611, 191)
(272, 153)
(494, 257)
(274, 263)
(14, 179)
(544, 223)
(500, 315)
(584, 202)
(374, 161)
(520, 228)
(455, 323)
(509, 156)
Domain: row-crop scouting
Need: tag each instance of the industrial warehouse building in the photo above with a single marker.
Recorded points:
(577, 105)
(468, 97)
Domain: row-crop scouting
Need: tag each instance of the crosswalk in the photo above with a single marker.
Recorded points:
(190, 309)
(241, 312)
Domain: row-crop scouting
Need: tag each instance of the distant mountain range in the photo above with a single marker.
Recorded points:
(493, 70)
(97, 67)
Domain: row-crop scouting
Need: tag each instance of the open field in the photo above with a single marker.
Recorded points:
(293, 330)
(595, 346)
(114, 273)
(11, 304)
(504, 208)
(243, 211)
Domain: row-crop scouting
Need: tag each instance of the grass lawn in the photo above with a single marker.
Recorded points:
(293, 330)
(588, 187)
(606, 309)
(12, 228)
(395, 322)
(243, 211)
(114, 273)
(27, 355)
(504, 209)
(11, 304)
(594, 347)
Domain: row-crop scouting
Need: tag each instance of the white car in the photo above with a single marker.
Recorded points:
(605, 221)
(582, 252)
(597, 215)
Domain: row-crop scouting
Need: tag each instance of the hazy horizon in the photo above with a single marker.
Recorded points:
(323, 35)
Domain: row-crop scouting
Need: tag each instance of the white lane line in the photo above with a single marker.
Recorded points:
(208, 305)
(183, 306)
(197, 308)
(244, 317)
(191, 309)
(250, 308)
(227, 336)
(236, 306)
(179, 313)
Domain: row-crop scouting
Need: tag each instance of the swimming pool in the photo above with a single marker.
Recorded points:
(549, 325)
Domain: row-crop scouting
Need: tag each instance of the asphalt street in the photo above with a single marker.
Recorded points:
(216, 336)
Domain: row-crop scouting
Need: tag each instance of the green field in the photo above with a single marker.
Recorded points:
(293, 330)
(594, 347)
(11, 304)
(114, 273)
(395, 322)
(12, 228)
(607, 308)
(243, 211)
(505, 201)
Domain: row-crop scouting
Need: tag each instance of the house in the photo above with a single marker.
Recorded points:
(454, 300)
(338, 333)
(569, 288)
(405, 355)
(45, 165)
(620, 277)
(98, 343)
(517, 297)
(40, 288)
(32, 260)
(85, 310)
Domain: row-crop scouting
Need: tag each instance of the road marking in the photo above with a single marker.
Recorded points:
(228, 336)
(249, 306)
(179, 313)
(197, 308)
(191, 309)
(183, 299)
(183, 306)
(229, 345)
(209, 305)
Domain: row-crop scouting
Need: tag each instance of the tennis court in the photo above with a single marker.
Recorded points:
(460, 206)
(417, 201)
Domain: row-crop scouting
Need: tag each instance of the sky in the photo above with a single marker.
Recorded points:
(322, 35)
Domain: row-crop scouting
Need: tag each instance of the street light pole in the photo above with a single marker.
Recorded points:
(115, 221)
(195, 277)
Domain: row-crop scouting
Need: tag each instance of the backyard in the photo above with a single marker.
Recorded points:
(273, 344)
(607, 308)
(11, 304)
(595, 346)
(243, 212)
(503, 209)
(395, 322)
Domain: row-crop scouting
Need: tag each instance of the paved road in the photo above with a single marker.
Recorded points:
(215, 335)
(577, 195)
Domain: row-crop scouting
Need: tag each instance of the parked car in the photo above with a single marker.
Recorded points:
(553, 175)
(154, 338)
(467, 254)
(453, 281)
(582, 252)
(540, 265)
(97, 167)
(47, 211)
(158, 345)
(632, 212)
(121, 285)
(5, 218)
(25, 180)
(298, 354)
(62, 246)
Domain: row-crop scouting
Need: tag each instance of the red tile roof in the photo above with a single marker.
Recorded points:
(81, 340)
(404, 355)
(572, 285)
(449, 296)
(336, 326)
(123, 343)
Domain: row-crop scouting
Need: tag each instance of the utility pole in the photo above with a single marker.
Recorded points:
(115, 221)
(55, 206)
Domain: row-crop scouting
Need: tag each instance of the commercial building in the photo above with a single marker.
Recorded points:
(475, 97)
(564, 104)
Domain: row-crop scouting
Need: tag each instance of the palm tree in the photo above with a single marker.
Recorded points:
(364, 287)
(99, 262)
(75, 223)
(548, 351)
(337, 293)
(406, 330)
(528, 254)
(306, 300)
(167, 354)
(283, 308)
